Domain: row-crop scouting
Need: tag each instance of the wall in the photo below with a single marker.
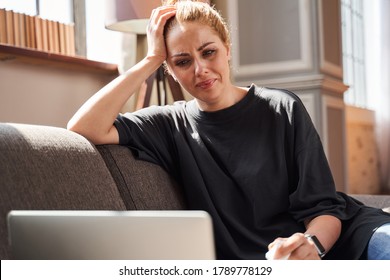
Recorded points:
(295, 45)
(45, 94)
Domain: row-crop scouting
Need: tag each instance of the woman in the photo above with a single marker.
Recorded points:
(249, 156)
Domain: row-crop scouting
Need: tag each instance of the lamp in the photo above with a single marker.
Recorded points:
(129, 15)
(132, 16)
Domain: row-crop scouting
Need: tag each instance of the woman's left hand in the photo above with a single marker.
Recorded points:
(295, 247)
(155, 31)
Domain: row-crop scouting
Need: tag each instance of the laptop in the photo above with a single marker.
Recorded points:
(111, 235)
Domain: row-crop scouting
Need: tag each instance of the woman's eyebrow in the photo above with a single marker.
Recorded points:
(180, 54)
(204, 46)
(198, 49)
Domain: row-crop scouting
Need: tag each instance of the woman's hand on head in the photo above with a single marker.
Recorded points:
(295, 247)
(155, 31)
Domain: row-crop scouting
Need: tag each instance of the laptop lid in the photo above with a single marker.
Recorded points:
(141, 235)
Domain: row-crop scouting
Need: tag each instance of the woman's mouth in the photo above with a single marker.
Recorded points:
(206, 84)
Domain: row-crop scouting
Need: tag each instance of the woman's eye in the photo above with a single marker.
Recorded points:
(183, 62)
(208, 52)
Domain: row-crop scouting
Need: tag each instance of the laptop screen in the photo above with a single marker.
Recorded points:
(141, 235)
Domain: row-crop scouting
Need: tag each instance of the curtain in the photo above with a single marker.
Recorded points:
(382, 106)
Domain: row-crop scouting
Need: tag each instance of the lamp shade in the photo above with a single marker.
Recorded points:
(129, 15)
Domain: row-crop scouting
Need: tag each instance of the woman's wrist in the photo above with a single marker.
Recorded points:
(156, 60)
(326, 228)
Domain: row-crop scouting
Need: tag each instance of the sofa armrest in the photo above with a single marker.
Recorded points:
(45, 167)
(378, 201)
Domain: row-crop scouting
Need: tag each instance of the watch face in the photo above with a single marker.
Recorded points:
(317, 243)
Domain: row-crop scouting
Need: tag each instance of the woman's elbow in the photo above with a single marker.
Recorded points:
(95, 136)
(77, 128)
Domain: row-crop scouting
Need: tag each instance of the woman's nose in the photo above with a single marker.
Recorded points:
(200, 68)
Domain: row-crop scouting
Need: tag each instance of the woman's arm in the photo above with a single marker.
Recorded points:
(326, 228)
(95, 119)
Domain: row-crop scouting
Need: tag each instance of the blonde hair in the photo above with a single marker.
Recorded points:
(200, 12)
(173, 2)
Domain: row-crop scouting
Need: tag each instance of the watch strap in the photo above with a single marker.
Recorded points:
(320, 249)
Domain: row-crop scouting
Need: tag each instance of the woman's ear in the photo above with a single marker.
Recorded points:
(168, 72)
(229, 54)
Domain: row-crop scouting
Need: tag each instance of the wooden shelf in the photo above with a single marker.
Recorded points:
(31, 56)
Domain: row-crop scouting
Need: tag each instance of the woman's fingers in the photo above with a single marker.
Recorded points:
(161, 14)
(155, 31)
(296, 247)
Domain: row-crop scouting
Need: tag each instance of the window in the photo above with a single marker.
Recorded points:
(101, 44)
(352, 20)
(59, 10)
(28, 7)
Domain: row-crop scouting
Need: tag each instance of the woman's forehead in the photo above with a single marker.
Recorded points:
(189, 33)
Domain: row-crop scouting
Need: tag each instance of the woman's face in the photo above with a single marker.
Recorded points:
(199, 60)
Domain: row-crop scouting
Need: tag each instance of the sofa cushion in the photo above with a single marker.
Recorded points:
(51, 168)
(143, 185)
(378, 201)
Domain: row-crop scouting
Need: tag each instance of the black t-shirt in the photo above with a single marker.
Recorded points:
(258, 167)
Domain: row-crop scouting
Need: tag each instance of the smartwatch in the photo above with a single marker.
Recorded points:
(317, 243)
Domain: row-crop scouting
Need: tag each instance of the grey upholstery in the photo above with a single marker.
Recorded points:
(143, 185)
(51, 168)
(379, 201)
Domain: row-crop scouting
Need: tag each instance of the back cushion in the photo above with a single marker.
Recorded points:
(143, 185)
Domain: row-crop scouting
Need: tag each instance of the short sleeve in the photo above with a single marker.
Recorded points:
(314, 191)
(147, 133)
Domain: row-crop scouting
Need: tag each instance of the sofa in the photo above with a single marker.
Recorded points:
(51, 168)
